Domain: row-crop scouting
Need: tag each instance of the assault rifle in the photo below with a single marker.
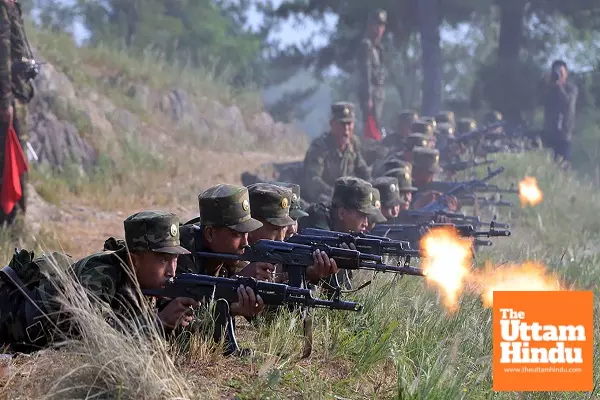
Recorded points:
(367, 243)
(293, 255)
(458, 166)
(224, 292)
(202, 287)
(471, 199)
(393, 231)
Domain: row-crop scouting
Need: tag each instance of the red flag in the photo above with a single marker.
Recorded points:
(15, 164)
(371, 129)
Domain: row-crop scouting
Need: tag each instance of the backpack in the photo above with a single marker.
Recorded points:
(18, 307)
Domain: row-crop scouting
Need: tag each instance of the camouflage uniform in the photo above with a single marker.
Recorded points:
(15, 89)
(221, 206)
(395, 141)
(107, 276)
(372, 74)
(426, 159)
(324, 162)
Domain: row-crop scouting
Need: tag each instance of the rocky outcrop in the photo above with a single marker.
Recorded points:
(73, 125)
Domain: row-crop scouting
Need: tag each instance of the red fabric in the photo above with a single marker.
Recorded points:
(15, 164)
(371, 129)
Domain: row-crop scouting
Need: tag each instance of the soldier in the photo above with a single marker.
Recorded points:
(390, 196)
(371, 90)
(378, 218)
(445, 117)
(334, 154)
(297, 206)
(466, 125)
(145, 260)
(396, 140)
(405, 188)
(351, 205)
(415, 140)
(225, 221)
(270, 204)
(16, 74)
(425, 168)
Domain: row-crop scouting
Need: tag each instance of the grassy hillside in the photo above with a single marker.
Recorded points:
(404, 344)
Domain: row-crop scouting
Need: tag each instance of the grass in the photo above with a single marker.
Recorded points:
(404, 344)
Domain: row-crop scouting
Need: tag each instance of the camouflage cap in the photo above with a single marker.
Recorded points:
(156, 231)
(296, 206)
(445, 129)
(227, 205)
(389, 190)
(446, 117)
(394, 162)
(271, 203)
(343, 111)
(378, 16)
(422, 127)
(378, 217)
(416, 140)
(466, 125)
(353, 193)
(426, 159)
(432, 123)
(492, 117)
(408, 116)
(404, 178)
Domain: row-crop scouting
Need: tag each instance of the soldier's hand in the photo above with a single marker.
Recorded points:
(259, 270)
(323, 267)
(7, 114)
(347, 246)
(442, 219)
(248, 304)
(179, 312)
(280, 275)
(452, 203)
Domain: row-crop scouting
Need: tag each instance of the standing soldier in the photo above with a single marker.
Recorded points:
(17, 70)
(334, 154)
(371, 91)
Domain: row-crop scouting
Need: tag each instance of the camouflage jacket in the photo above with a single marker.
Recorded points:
(371, 69)
(107, 277)
(193, 240)
(324, 163)
(13, 50)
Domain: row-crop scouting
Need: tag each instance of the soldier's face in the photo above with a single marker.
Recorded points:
(352, 220)
(378, 30)
(291, 230)
(225, 240)
(268, 231)
(342, 132)
(152, 269)
(422, 177)
(406, 200)
(390, 212)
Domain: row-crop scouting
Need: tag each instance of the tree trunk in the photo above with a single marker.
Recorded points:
(512, 13)
(431, 59)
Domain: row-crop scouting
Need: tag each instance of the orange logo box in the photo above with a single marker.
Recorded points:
(543, 341)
